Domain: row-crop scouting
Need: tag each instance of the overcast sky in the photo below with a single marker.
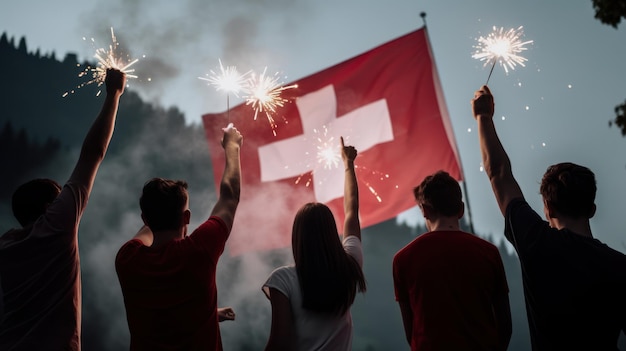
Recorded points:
(555, 109)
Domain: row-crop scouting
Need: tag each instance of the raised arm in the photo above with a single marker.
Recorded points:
(97, 140)
(495, 160)
(230, 185)
(352, 225)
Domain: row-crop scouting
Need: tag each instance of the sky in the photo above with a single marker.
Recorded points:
(555, 109)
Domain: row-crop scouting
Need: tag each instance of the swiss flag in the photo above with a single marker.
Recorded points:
(386, 102)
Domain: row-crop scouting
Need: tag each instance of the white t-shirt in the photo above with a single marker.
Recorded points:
(315, 331)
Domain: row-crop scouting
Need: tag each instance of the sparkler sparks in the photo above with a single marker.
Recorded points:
(503, 47)
(228, 79)
(328, 150)
(265, 95)
(106, 58)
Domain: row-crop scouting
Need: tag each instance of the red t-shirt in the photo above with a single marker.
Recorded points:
(449, 280)
(170, 292)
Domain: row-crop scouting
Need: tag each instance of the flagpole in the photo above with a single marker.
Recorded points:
(464, 182)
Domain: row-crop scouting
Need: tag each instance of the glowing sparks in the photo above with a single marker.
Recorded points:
(265, 95)
(328, 150)
(106, 58)
(502, 46)
(228, 79)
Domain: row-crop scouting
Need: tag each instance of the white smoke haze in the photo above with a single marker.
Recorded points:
(188, 42)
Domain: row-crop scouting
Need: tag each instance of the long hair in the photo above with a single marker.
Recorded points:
(328, 276)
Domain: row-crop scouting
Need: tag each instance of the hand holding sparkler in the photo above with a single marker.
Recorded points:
(482, 103)
(231, 137)
(115, 81)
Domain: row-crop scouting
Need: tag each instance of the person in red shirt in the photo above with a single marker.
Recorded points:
(450, 284)
(168, 277)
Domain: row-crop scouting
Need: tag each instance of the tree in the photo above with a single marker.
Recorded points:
(611, 12)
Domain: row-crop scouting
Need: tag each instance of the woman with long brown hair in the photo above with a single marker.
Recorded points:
(311, 300)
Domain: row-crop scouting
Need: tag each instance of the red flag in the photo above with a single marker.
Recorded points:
(387, 102)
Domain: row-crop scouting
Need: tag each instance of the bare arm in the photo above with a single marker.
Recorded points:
(502, 314)
(230, 184)
(495, 160)
(407, 319)
(97, 140)
(282, 322)
(352, 225)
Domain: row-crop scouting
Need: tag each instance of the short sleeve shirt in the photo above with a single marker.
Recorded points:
(170, 292)
(315, 331)
(40, 272)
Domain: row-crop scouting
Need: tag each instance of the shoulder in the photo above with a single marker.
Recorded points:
(214, 224)
(128, 250)
(282, 279)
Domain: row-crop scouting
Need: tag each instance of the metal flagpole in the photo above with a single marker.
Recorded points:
(464, 181)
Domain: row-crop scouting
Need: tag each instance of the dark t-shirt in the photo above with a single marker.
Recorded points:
(40, 271)
(450, 279)
(574, 286)
(170, 293)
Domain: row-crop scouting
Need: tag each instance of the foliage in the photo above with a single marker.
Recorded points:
(610, 12)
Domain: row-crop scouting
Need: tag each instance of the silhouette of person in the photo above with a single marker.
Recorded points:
(450, 284)
(311, 300)
(39, 263)
(574, 285)
(168, 277)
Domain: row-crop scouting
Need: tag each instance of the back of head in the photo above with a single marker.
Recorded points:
(31, 199)
(441, 193)
(163, 202)
(569, 189)
(328, 276)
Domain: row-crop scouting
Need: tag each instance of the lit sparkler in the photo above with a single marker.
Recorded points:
(502, 46)
(229, 80)
(265, 95)
(106, 58)
(328, 151)
(328, 156)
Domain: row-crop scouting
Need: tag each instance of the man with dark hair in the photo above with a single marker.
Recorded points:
(168, 277)
(450, 284)
(574, 285)
(39, 263)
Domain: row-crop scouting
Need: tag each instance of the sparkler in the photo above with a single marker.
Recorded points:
(328, 157)
(229, 80)
(265, 95)
(106, 58)
(502, 46)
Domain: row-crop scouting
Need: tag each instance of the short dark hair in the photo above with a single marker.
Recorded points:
(163, 202)
(569, 189)
(31, 199)
(441, 193)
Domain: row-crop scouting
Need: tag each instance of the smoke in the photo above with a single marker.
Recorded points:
(178, 42)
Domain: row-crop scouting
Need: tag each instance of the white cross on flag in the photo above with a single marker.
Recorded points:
(386, 102)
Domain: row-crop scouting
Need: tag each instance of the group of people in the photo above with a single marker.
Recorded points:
(450, 285)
